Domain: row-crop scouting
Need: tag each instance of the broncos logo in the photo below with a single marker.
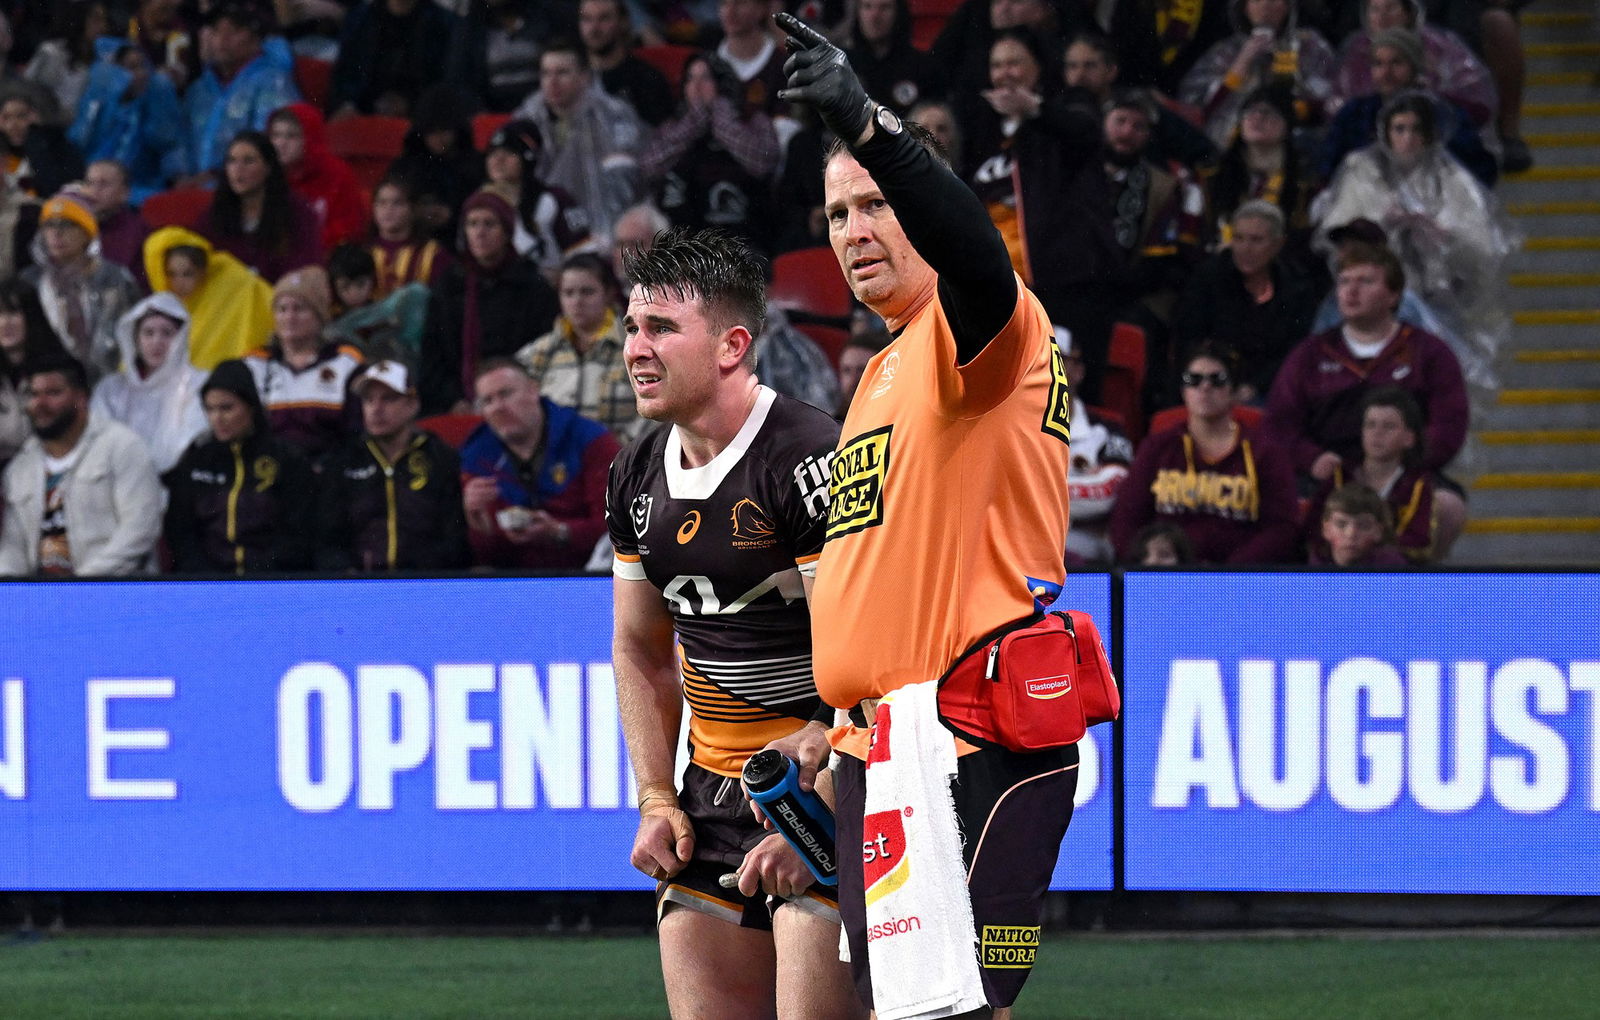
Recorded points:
(750, 522)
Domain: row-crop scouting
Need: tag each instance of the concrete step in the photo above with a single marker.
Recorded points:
(1546, 184)
(1539, 449)
(1564, 148)
(1577, 55)
(1553, 291)
(1561, 86)
(1533, 546)
(1577, 255)
(1537, 494)
(1542, 409)
(1550, 369)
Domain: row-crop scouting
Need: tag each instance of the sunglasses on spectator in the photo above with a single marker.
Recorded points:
(1196, 379)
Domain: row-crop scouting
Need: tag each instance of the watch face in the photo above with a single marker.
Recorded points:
(889, 120)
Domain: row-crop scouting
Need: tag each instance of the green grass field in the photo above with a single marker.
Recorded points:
(1078, 976)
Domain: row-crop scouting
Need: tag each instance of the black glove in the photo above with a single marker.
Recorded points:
(820, 76)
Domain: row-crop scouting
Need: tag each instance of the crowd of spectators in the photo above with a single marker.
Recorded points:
(1289, 204)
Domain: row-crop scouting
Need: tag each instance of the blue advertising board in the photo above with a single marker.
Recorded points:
(337, 734)
(1087, 860)
(1362, 732)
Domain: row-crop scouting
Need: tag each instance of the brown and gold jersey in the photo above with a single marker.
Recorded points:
(726, 544)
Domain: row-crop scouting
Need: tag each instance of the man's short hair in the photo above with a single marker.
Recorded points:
(1358, 254)
(1099, 42)
(498, 362)
(919, 134)
(120, 167)
(1137, 99)
(727, 276)
(873, 340)
(1260, 209)
(242, 14)
(61, 363)
(567, 44)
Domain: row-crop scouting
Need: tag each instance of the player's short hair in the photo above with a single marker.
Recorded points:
(919, 134)
(722, 271)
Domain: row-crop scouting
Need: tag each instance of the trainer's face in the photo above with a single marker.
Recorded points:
(676, 358)
(884, 272)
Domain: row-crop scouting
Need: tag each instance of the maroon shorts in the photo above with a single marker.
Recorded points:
(1013, 809)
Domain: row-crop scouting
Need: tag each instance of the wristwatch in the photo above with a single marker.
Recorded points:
(888, 120)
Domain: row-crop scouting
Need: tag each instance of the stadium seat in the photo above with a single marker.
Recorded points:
(668, 58)
(452, 428)
(808, 282)
(1122, 388)
(830, 338)
(180, 207)
(927, 20)
(1172, 417)
(314, 79)
(368, 144)
(484, 125)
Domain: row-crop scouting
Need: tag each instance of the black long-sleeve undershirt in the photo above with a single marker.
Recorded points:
(951, 230)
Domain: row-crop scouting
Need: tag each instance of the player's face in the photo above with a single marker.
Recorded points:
(676, 358)
(884, 272)
(1385, 435)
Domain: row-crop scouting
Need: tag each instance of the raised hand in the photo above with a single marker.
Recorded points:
(820, 76)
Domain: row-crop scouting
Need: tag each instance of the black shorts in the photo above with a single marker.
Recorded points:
(1013, 810)
(724, 831)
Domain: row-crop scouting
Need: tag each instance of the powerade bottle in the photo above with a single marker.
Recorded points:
(773, 780)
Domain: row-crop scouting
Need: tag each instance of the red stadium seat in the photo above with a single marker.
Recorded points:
(1172, 417)
(809, 282)
(668, 58)
(928, 18)
(180, 207)
(1122, 389)
(368, 144)
(484, 125)
(830, 338)
(452, 428)
(314, 79)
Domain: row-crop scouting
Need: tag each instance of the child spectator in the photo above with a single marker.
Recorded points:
(1101, 454)
(255, 217)
(322, 180)
(132, 116)
(82, 294)
(1229, 488)
(157, 393)
(550, 224)
(579, 363)
(390, 328)
(483, 307)
(25, 337)
(230, 308)
(240, 499)
(1390, 465)
(391, 497)
(1161, 544)
(1357, 530)
(402, 252)
(304, 380)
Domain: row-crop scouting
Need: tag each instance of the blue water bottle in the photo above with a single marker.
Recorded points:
(773, 780)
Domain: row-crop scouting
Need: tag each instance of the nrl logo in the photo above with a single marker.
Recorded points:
(640, 512)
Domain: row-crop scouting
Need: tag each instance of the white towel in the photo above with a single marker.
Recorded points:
(920, 942)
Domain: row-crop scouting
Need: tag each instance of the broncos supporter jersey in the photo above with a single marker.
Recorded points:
(949, 509)
(726, 544)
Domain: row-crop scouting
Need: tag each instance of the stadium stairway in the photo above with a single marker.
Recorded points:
(1537, 500)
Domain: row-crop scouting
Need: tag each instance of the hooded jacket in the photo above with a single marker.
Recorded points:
(1453, 70)
(325, 182)
(243, 507)
(144, 133)
(112, 499)
(163, 408)
(380, 516)
(231, 311)
(108, 290)
(214, 112)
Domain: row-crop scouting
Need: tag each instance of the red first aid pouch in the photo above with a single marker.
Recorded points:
(1033, 686)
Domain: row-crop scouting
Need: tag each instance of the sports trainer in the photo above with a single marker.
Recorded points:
(716, 517)
(949, 497)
